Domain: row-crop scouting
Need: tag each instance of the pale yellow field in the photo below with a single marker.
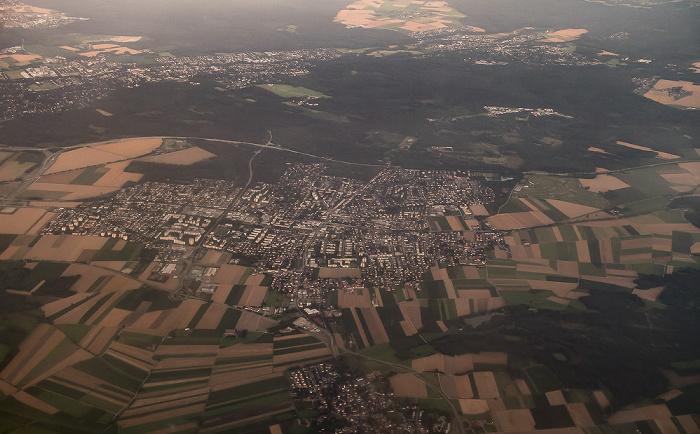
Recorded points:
(579, 414)
(658, 411)
(660, 93)
(145, 402)
(6, 388)
(63, 247)
(229, 274)
(486, 385)
(179, 400)
(214, 257)
(246, 350)
(565, 35)
(149, 321)
(24, 362)
(663, 155)
(571, 210)
(115, 318)
(408, 385)
(473, 406)
(61, 178)
(27, 349)
(692, 167)
(24, 57)
(11, 170)
(88, 384)
(519, 220)
(212, 317)
(102, 340)
(116, 177)
(356, 298)
(255, 279)
(493, 358)
(58, 305)
(253, 296)
(73, 316)
(70, 192)
(113, 297)
(415, 26)
(155, 417)
(246, 374)
(462, 305)
(478, 210)
(251, 321)
(82, 157)
(69, 358)
(110, 48)
(132, 148)
(184, 157)
(134, 353)
(375, 326)
(636, 243)
(456, 365)
(688, 424)
(407, 328)
(34, 9)
(120, 283)
(686, 178)
(112, 265)
(88, 276)
(582, 251)
(456, 387)
(411, 312)
(513, 420)
(184, 362)
(603, 183)
(363, 13)
(23, 221)
(360, 330)
(532, 268)
(522, 386)
(221, 293)
(180, 350)
(555, 397)
(601, 399)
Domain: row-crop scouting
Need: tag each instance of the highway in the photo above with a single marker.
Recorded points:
(35, 175)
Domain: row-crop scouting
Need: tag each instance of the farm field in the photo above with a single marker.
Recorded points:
(95, 170)
(661, 93)
(239, 286)
(565, 35)
(286, 91)
(14, 165)
(27, 221)
(377, 14)
(103, 154)
(182, 157)
(134, 356)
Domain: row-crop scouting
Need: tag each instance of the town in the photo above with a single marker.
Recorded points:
(310, 231)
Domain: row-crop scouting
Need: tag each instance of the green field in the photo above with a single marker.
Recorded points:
(287, 91)
(566, 189)
(536, 299)
(90, 175)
